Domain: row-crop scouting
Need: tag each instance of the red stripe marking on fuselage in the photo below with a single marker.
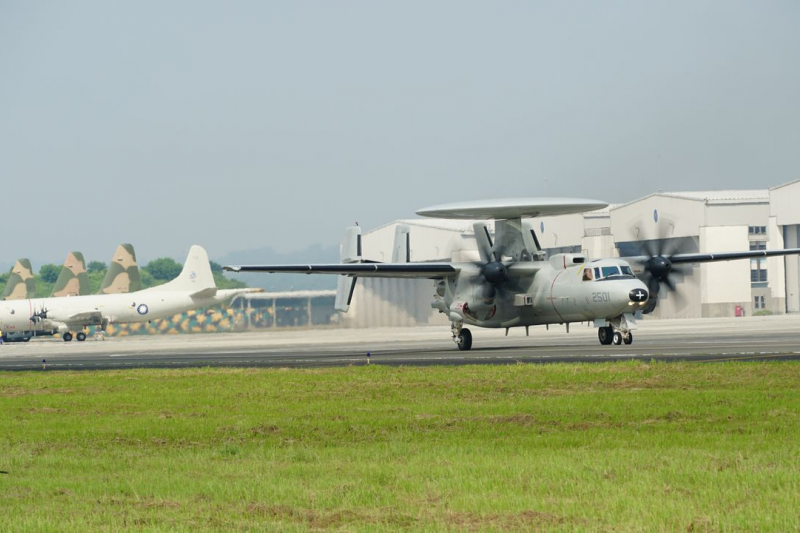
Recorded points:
(553, 298)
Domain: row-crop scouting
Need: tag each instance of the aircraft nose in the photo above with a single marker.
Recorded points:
(638, 295)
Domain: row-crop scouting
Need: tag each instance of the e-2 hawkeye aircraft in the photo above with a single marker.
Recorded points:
(512, 285)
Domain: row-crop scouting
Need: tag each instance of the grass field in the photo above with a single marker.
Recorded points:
(600, 447)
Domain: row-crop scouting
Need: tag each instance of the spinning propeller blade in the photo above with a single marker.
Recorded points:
(658, 266)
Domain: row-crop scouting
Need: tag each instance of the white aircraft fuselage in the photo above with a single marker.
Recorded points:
(141, 306)
(193, 288)
(559, 292)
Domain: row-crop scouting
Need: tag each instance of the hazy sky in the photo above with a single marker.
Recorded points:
(238, 125)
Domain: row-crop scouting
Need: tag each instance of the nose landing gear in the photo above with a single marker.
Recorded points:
(616, 332)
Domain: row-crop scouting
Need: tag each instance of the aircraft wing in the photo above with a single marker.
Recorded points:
(729, 256)
(362, 270)
(720, 256)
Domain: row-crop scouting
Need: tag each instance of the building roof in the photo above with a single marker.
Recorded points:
(459, 226)
(724, 197)
(784, 184)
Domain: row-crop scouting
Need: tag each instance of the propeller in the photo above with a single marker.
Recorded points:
(494, 275)
(657, 265)
(40, 315)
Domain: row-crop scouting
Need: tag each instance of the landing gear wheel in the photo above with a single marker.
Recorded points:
(67, 336)
(81, 336)
(464, 339)
(617, 339)
(627, 339)
(605, 335)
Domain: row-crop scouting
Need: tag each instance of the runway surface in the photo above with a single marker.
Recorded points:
(700, 340)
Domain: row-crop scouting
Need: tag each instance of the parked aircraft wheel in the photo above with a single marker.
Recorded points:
(628, 339)
(67, 336)
(465, 339)
(81, 336)
(605, 334)
(617, 339)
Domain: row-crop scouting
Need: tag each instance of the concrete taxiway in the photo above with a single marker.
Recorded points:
(702, 340)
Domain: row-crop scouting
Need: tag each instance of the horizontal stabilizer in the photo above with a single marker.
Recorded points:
(209, 292)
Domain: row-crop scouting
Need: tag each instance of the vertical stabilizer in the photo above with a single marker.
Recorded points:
(21, 283)
(401, 253)
(349, 252)
(195, 276)
(73, 279)
(123, 272)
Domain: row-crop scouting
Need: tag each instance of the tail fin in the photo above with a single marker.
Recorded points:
(401, 253)
(123, 272)
(349, 252)
(73, 279)
(21, 283)
(196, 275)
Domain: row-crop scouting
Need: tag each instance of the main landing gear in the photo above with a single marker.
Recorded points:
(461, 336)
(80, 336)
(608, 335)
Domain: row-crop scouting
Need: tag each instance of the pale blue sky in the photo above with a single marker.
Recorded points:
(239, 125)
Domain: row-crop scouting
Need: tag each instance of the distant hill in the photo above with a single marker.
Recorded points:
(316, 253)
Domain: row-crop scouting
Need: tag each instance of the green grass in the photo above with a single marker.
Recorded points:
(602, 447)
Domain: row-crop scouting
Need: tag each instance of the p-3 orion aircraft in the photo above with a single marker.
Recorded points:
(513, 285)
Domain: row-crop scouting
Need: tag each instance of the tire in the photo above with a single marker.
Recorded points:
(81, 336)
(67, 336)
(464, 339)
(605, 335)
(628, 339)
(617, 338)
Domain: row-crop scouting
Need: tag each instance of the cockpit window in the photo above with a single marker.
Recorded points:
(610, 271)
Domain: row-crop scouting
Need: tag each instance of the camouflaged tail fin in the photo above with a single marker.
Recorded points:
(123, 272)
(73, 279)
(21, 283)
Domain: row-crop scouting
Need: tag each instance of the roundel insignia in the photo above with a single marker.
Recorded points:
(142, 309)
(541, 227)
(655, 215)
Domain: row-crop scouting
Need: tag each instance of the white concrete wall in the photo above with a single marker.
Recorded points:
(783, 203)
(776, 270)
(561, 231)
(726, 281)
(379, 302)
(677, 217)
(753, 214)
(599, 247)
(427, 243)
(792, 269)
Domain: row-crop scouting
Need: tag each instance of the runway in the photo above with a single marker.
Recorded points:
(698, 340)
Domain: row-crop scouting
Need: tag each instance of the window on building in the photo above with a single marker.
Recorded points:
(758, 270)
(758, 245)
(757, 230)
(759, 302)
